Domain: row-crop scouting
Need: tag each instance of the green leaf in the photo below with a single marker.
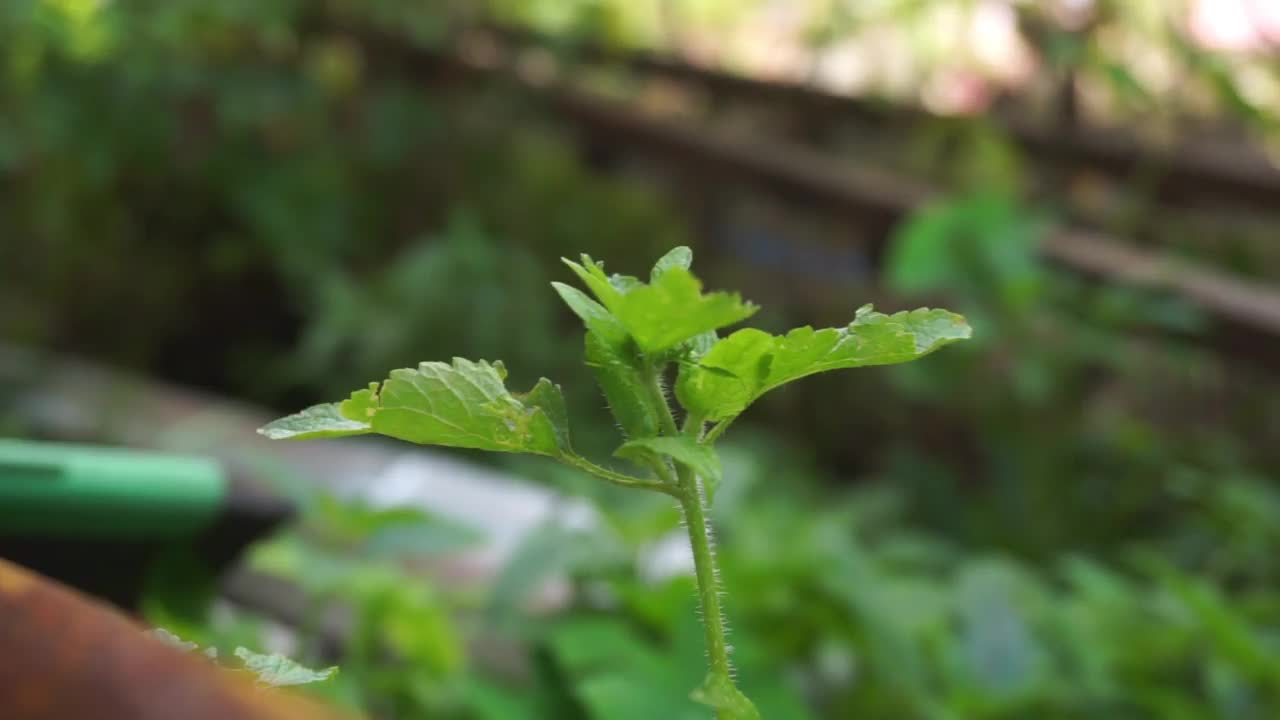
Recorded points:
(673, 310)
(362, 404)
(317, 421)
(546, 396)
(279, 671)
(623, 388)
(692, 350)
(729, 376)
(666, 312)
(702, 459)
(680, 256)
(749, 363)
(592, 275)
(593, 314)
(465, 405)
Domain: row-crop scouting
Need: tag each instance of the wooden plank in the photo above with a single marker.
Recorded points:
(1226, 171)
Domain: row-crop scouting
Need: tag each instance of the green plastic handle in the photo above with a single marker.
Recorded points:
(68, 490)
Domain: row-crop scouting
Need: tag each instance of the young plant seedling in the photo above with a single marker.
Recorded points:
(635, 332)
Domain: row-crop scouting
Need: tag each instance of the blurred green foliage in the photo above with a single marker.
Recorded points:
(1073, 407)
(236, 194)
(238, 182)
(855, 614)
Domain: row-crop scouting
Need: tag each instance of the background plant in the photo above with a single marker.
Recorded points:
(859, 613)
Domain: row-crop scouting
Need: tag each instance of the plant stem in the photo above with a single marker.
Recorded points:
(658, 399)
(693, 423)
(717, 430)
(704, 565)
(690, 496)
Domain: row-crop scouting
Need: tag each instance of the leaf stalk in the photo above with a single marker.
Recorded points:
(617, 478)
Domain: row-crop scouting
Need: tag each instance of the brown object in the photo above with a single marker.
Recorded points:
(64, 656)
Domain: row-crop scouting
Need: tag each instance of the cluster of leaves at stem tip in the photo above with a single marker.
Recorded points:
(635, 332)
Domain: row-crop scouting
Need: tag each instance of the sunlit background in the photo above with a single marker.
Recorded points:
(213, 213)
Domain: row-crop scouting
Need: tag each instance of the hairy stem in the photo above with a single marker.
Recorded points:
(693, 506)
(704, 564)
